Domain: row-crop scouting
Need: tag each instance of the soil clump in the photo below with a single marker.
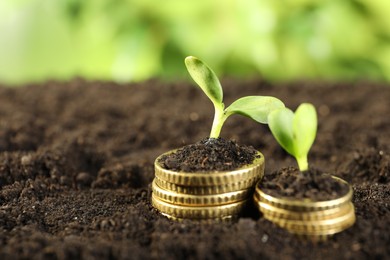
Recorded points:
(312, 184)
(209, 155)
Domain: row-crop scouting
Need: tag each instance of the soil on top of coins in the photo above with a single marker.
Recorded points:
(312, 184)
(209, 155)
(76, 166)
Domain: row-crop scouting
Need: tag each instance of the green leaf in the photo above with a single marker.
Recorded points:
(280, 123)
(255, 107)
(304, 129)
(206, 79)
(295, 132)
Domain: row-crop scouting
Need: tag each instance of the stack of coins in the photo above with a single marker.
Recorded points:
(205, 195)
(308, 219)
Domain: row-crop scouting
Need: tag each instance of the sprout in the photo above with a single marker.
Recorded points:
(255, 107)
(295, 132)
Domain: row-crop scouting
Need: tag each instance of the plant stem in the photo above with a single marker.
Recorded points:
(302, 163)
(219, 119)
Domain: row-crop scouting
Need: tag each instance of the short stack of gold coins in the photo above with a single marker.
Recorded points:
(305, 218)
(205, 195)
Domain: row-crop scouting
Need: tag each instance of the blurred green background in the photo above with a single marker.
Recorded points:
(133, 40)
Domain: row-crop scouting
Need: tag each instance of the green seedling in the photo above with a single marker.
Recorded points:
(254, 107)
(295, 132)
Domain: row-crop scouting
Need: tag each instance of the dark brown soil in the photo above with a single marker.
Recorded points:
(76, 163)
(208, 155)
(312, 184)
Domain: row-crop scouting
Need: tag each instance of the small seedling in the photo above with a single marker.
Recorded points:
(255, 107)
(295, 132)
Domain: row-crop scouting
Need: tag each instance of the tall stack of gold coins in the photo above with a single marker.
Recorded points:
(205, 195)
(308, 219)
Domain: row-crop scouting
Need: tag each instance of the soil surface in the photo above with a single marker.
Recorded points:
(209, 155)
(76, 166)
(294, 184)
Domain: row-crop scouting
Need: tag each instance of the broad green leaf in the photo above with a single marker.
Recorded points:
(304, 128)
(255, 107)
(281, 125)
(295, 132)
(206, 79)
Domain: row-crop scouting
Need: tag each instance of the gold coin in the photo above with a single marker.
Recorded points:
(188, 212)
(318, 225)
(226, 219)
(254, 170)
(305, 218)
(305, 204)
(329, 225)
(311, 230)
(275, 212)
(317, 229)
(200, 200)
(206, 190)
